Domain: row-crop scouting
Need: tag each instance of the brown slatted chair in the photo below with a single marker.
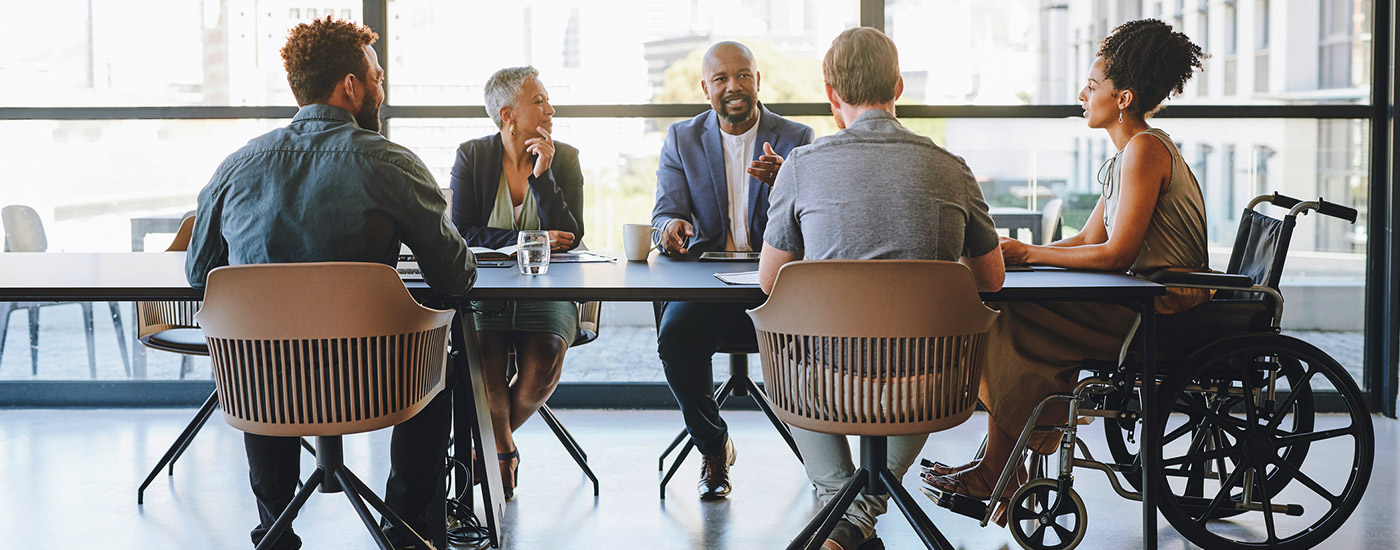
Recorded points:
(891, 347)
(170, 326)
(324, 350)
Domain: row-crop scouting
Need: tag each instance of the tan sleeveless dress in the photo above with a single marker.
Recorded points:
(1035, 348)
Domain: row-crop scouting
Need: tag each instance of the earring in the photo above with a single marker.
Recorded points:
(512, 126)
(1120, 116)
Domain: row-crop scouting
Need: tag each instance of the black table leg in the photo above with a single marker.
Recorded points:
(472, 421)
(1151, 447)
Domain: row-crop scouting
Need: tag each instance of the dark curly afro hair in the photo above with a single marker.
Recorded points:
(1147, 57)
(319, 54)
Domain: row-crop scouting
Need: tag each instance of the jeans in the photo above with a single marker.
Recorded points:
(687, 336)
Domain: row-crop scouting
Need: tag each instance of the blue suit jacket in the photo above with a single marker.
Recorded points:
(691, 183)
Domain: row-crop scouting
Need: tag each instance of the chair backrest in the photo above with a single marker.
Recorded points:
(181, 242)
(873, 347)
(1050, 220)
(1260, 249)
(24, 231)
(156, 317)
(320, 348)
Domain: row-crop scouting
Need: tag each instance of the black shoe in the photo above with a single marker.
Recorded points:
(714, 473)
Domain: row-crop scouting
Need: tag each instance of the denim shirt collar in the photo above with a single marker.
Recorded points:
(322, 111)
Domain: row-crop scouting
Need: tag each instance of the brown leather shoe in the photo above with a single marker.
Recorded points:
(714, 473)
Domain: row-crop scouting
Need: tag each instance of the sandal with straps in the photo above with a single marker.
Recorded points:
(508, 485)
(972, 483)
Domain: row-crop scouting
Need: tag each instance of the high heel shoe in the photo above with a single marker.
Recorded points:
(508, 482)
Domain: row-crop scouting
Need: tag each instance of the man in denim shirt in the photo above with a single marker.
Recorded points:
(329, 187)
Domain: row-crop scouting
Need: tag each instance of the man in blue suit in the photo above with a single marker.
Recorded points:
(712, 194)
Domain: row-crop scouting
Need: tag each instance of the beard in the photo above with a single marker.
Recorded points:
(368, 115)
(741, 116)
(836, 114)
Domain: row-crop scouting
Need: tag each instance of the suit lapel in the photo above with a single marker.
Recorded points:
(714, 156)
(758, 216)
(492, 172)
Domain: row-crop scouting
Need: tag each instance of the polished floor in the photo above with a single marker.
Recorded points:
(68, 479)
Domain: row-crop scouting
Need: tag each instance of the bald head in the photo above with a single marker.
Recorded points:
(729, 78)
(725, 50)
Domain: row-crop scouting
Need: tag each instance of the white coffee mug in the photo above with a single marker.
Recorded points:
(637, 241)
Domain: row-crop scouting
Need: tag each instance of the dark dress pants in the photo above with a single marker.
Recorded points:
(417, 456)
(687, 337)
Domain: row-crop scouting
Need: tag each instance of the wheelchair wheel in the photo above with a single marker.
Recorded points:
(1036, 523)
(1188, 420)
(1247, 456)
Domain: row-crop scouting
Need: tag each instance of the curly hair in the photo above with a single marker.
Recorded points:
(319, 54)
(1147, 57)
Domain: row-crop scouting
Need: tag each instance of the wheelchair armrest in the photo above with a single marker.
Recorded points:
(1210, 280)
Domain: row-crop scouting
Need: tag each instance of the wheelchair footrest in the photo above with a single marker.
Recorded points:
(958, 504)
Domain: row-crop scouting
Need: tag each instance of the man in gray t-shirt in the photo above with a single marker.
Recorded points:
(874, 190)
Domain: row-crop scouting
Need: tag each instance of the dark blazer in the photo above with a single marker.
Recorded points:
(691, 183)
(477, 173)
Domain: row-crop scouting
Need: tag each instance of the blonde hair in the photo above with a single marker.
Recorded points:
(862, 66)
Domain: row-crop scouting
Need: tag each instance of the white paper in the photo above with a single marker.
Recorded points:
(739, 277)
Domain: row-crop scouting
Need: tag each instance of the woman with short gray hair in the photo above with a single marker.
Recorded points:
(515, 180)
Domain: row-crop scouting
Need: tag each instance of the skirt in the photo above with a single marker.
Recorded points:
(1035, 349)
(554, 317)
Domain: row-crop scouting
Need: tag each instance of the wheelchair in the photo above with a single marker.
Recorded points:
(1238, 418)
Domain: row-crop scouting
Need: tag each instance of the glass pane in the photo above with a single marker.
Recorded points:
(80, 53)
(92, 181)
(1027, 52)
(608, 52)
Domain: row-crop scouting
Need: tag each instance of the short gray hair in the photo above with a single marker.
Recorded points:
(503, 88)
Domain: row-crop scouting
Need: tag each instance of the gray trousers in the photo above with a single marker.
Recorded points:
(827, 458)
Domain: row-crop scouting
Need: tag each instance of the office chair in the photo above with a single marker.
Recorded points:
(24, 232)
(894, 347)
(293, 356)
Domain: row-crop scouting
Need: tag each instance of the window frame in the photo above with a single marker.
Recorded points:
(1382, 284)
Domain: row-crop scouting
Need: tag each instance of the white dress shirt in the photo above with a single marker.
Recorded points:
(738, 153)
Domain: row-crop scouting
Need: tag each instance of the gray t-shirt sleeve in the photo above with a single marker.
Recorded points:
(784, 231)
(980, 235)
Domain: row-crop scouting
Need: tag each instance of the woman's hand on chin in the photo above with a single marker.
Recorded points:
(1014, 252)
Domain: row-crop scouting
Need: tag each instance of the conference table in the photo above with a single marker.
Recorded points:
(131, 276)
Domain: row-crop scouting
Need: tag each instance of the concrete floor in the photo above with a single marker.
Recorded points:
(68, 479)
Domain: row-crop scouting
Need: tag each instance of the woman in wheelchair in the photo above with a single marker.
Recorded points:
(1150, 217)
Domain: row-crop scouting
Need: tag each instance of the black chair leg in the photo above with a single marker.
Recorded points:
(721, 394)
(180, 442)
(285, 520)
(927, 531)
(816, 531)
(353, 485)
(570, 444)
(762, 400)
(203, 418)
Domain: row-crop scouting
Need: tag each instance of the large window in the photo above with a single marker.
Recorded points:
(118, 111)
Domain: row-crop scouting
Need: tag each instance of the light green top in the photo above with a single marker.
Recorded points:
(502, 213)
(1176, 235)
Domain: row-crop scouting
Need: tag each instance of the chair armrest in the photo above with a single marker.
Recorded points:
(1209, 280)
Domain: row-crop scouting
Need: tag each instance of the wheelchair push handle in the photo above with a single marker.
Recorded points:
(1296, 206)
(1336, 210)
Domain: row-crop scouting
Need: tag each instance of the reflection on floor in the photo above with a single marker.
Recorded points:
(69, 479)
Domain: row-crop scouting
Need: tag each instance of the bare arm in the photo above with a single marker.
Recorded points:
(770, 260)
(988, 270)
(1146, 169)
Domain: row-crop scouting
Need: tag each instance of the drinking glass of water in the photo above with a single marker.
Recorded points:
(532, 252)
